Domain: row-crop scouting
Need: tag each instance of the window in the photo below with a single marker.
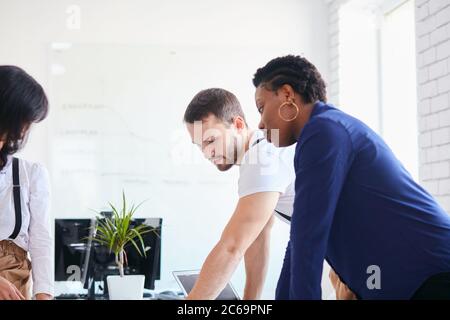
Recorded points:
(398, 74)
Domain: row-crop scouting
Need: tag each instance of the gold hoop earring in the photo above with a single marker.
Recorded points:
(297, 109)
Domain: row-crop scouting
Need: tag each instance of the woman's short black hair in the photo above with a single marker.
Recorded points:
(22, 102)
(296, 71)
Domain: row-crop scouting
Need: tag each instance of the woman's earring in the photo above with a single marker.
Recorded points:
(292, 103)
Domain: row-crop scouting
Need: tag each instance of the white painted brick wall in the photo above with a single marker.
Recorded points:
(433, 81)
(333, 34)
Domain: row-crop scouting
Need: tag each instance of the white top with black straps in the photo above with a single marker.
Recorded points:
(34, 234)
(266, 168)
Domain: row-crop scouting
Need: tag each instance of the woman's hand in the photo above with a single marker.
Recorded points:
(43, 296)
(342, 291)
(8, 291)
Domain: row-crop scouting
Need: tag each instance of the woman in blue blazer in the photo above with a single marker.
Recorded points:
(355, 205)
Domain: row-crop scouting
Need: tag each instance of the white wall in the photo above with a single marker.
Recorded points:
(433, 78)
(300, 27)
(333, 48)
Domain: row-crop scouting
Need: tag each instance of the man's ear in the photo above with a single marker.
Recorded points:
(239, 123)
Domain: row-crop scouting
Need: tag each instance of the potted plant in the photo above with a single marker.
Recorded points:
(116, 233)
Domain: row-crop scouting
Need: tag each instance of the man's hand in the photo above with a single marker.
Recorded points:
(342, 291)
(8, 291)
(43, 296)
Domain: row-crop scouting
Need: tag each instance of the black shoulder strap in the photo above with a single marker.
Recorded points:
(257, 141)
(283, 215)
(16, 195)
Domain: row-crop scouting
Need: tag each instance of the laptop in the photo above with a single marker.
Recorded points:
(187, 279)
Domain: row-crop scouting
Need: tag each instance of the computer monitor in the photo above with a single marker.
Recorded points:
(71, 248)
(77, 258)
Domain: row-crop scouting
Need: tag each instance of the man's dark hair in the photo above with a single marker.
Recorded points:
(22, 102)
(218, 102)
(296, 71)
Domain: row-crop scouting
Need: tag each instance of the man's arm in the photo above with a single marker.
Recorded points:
(251, 215)
(256, 263)
(342, 291)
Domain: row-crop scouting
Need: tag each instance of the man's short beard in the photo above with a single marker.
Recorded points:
(228, 165)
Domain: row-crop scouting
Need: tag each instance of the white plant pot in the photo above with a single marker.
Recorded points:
(126, 287)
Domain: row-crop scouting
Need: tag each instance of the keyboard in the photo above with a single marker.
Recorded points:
(75, 296)
(71, 296)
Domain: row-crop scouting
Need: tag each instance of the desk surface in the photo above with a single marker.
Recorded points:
(164, 295)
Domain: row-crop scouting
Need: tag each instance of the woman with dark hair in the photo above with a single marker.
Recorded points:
(355, 204)
(24, 193)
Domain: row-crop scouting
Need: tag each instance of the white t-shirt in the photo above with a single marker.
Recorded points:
(266, 168)
(35, 234)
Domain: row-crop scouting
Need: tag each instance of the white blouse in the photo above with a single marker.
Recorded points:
(35, 235)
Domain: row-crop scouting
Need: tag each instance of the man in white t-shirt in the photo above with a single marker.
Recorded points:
(216, 123)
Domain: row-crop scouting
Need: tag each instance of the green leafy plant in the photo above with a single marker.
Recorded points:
(116, 232)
